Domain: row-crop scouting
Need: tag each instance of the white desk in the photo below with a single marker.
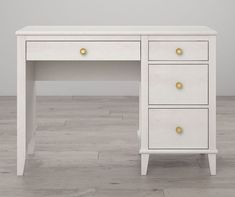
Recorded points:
(177, 79)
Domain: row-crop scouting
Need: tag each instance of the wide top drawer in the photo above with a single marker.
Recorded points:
(178, 50)
(79, 50)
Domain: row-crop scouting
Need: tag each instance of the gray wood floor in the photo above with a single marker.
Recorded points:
(87, 146)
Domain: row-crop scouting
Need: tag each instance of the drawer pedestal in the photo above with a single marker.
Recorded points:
(180, 88)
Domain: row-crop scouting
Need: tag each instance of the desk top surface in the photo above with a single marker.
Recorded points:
(115, 30)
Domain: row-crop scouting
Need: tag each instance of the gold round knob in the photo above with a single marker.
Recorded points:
(179, 51)
(83, 51)
(179, 85)
(179, 130)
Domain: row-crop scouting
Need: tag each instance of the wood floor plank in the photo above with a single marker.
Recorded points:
(199, 192)
(87, 146)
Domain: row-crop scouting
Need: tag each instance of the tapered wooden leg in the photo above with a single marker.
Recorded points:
(138, 139)
(212, 163)
(25, 106)
(21, 139)
(30, 108)
(139, 130)
(144, 163)
(21, 106)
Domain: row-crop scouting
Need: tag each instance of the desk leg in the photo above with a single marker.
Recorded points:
(212, 163)
(30, 108)
(139, 130)
(25, 106)
(144, 106)
(144, 164)
(21, 106)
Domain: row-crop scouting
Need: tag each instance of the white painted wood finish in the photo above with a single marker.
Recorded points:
(212, 163)
(30, 108)
(21, 105)
(87, 71)
(212, 105)
(25, 107)
(163, 124)
(144, 105)
(144, 163)
(95, 51)
(166, 50)
(114, 30)
(161, 105)
(163, 80)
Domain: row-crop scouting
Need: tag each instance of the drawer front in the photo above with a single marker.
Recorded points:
(83, 50)
(178, 84)
(178, 51)
(178, 128)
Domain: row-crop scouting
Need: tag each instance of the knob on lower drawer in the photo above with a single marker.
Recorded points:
(179, 51)
(83, 51)
(179, 130)
(179, 85)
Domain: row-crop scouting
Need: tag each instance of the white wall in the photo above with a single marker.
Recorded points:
(14, 14)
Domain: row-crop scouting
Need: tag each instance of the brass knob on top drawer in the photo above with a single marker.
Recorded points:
(83, 51)
(179, 130)
(179, 51)
(179, 85)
